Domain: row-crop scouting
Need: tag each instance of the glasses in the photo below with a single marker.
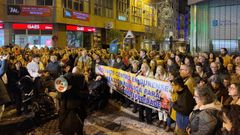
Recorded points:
(195, 96)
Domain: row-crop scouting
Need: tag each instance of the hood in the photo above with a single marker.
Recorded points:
(214, 105)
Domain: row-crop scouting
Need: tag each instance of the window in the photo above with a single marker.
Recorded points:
(123, 10)
(45, 2)
(137, 11)
(149, 15)
(14, 1)
(103, 8)
(77, 5)
(70, 4)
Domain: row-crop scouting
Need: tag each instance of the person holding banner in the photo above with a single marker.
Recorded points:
(183, 106)
(134, 68)
(162, 75)
(145, 71)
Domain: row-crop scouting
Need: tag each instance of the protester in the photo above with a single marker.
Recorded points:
(183, 105)
(230, 116)
(4, 97)
(203, 119)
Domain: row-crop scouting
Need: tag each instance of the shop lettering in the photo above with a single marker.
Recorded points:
(35, 26)
(14, 10)
(80, 28)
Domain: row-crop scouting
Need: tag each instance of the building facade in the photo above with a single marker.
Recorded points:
(76, 23)
(215, 24)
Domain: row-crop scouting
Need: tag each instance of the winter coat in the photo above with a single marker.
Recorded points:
(4, 97)
(204, 121)
(54, 68)
(73, 105)
(183, 106)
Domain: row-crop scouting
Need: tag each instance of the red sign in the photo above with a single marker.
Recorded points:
(43, 11)
(1, 26)
(32, 26)
(79, 28)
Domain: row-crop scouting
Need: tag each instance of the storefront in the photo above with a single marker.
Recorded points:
(79, 36)
(39, 35)
(215, 24)
(1, 34)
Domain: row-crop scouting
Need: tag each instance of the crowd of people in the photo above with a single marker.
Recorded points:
(206, 86)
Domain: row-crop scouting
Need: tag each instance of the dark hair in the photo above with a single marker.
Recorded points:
(143, 50)
(178, 81)
(233, 114)
(237, 86)
(199, 64)
(225, 49)
(206, 94)
(35, 56)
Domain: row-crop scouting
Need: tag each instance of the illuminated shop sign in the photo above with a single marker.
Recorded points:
(80, 28)
(1, 26)
(76, 15)
(43, 11)
(32, 26)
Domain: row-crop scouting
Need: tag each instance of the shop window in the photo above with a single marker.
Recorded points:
(33, 32)
(15, 2)
(1, 37)
(19, 31)
(46, 32)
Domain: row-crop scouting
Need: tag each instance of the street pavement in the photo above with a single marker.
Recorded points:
(113, 120)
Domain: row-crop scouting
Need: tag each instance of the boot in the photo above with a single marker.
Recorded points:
(164, 124)
(168, 129)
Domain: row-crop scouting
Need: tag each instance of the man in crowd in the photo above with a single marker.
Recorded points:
(33, 66)
(54, 67)
(186, 74)
(225, 56)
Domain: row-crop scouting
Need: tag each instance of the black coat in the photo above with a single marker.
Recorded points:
(185, 102)
(73, 105)
(4, 97)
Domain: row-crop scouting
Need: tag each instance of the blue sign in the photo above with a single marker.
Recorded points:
(114, 48)
(67, 13)
(215, 23)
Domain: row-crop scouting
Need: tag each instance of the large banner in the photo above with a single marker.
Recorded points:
(145, 91)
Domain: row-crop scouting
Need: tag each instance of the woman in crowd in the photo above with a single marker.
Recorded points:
(146, 72)
(153, 66)
(212, 57)
(162, 75)
(203, 119)
(234, 93)
(218, 88)
(134, 68)
(14, 76)
(230, 115)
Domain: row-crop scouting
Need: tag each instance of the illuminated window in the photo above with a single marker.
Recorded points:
(123, 10)
(137, 11)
